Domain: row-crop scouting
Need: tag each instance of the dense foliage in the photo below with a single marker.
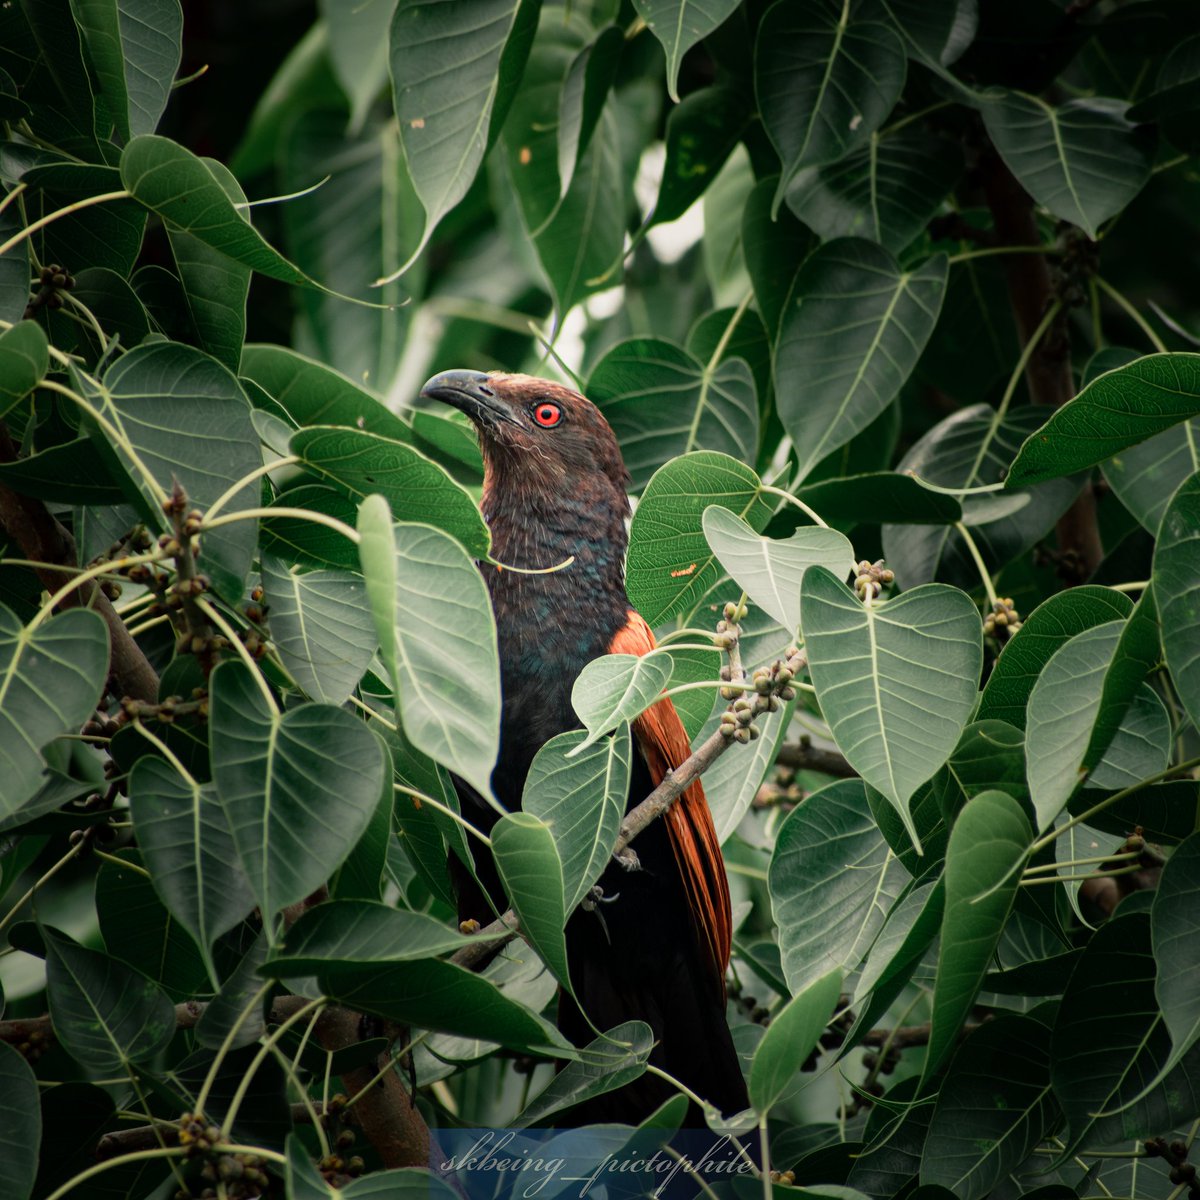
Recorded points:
(922, 396)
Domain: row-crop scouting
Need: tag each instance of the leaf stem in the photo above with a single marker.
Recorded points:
(1141, 322)
(300, 514)
(1123, 794)
(257, 1061)
(777, 491)
(120, 1161)
(1046, 868)
(166, 752)
(233, 489)
(1022, 362)
(223, 1049)
(988, 586)
(1080, 878)
(83, 576)
(989, 251)
(66, 211)
(445, 809)
(54, 870)
(236, 642)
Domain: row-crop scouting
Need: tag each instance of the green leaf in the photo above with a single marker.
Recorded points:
(1173, 929)
(993, 1108)
(790, 1038)
(314, 394)
(908, 931)
(20, 1125)
(182, 189)
(971, 447)
(1077, 705)
(298, 788)
(432, 612)
(988, 845)
(215, 286)
(135, 46)
(24, 361)
(363, 464)
(1145, 476)
(358, 49)
(297, 541)
(886, 191)
(701, 134)
(581, 799)
(532, 872)
(139, 929)
(184, 835)
(339, 936)
(1048, 628)
(106, 1015)
(435, 994)
(348, 233)
(1109, 1038)
(616, 688)
(832, 881)
(185, 418)
(826, 75)
(1116, 410)
(774, 248)
(679, 25)
(72, 472)
(579, 244)
(453, 69)
(1083, 160)
(610, 1061)
(51, 678)
(867, 499)
(770, 571)
(14, 268)
(1177, 586)
(852, 332)
(321, 625)
(670, 566)
(584, 92)
(661, 403)
(896, 681)
(230, 1013)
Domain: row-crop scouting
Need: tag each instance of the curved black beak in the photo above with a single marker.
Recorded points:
(470, 392)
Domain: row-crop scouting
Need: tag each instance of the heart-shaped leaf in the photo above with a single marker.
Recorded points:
(1177, 586)
(770, 570)
(184, 834)
(679, 25)
(362, 464)
(832, 881)
(581, 799)
(322, 627)
(670, 567)
(51, 677)
(1084, 160)
(24, 360)
(20, 1124)
(107, 1015)
(896, 681)
(661, 403)
(298, 788)
(852, 331)
(438, 639)
(616, 688)
(826, 75)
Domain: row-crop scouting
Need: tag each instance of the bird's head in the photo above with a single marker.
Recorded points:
(535, 435)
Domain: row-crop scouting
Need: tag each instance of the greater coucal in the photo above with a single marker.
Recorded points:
(555, 488)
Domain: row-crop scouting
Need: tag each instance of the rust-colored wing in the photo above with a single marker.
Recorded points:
(664, 744)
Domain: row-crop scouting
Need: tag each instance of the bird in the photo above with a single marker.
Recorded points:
(657, 948)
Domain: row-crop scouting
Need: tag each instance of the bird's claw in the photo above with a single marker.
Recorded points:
(628, 860)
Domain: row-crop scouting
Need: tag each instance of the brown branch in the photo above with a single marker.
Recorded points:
(42, 539)
(673, 785)
(804, 756)
(1048, 373)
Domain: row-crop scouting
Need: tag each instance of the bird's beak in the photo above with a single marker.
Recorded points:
(470, 392)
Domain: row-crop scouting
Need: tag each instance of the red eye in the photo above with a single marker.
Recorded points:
(547, 414)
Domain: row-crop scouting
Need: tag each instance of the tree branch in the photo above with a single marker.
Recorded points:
(1048, 373)
(804, 756)
(42, 539)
